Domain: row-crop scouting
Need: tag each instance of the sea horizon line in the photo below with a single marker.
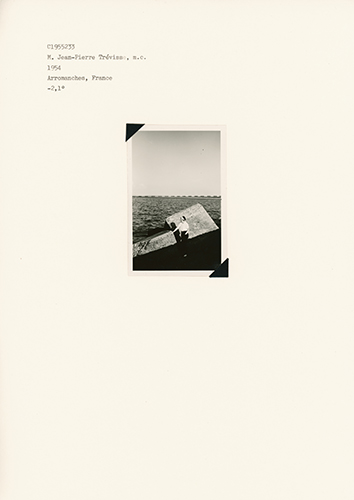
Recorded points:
(176, 195)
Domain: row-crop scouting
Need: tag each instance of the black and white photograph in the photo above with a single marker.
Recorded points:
(176, 200)
(145, 147)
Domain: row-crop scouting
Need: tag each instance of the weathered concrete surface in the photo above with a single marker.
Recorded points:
(199, 223)
(204, 254)
(198, 219)
(153, 243)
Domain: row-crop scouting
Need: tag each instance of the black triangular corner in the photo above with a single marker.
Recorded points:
(222, 271)
(132, 129)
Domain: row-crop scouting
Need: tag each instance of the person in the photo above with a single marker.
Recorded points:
(183, 229)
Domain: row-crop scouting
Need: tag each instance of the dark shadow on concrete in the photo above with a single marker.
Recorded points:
(156, 230)
(176, 234)
(203, 254)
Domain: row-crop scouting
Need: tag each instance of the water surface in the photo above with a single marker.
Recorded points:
(150, 212)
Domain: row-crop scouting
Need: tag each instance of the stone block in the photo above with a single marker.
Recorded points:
(198, 219)
(152, 243)
(199, 222)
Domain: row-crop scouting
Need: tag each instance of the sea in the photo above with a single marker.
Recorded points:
(150, 212)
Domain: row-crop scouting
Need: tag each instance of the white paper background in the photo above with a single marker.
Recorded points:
(121, 387)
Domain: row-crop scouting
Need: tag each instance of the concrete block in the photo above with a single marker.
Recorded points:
(199, 222)
(198, 219)
(152, 243)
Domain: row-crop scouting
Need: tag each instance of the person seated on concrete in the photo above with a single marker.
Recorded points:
(183, 229)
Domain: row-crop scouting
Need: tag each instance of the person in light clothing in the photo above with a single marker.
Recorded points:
(183, 230)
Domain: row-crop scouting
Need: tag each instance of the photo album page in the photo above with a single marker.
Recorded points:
(176, 249)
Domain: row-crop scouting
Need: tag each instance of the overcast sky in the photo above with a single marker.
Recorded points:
(176, 163)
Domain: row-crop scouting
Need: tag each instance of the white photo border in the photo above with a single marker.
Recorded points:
(223, 182)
